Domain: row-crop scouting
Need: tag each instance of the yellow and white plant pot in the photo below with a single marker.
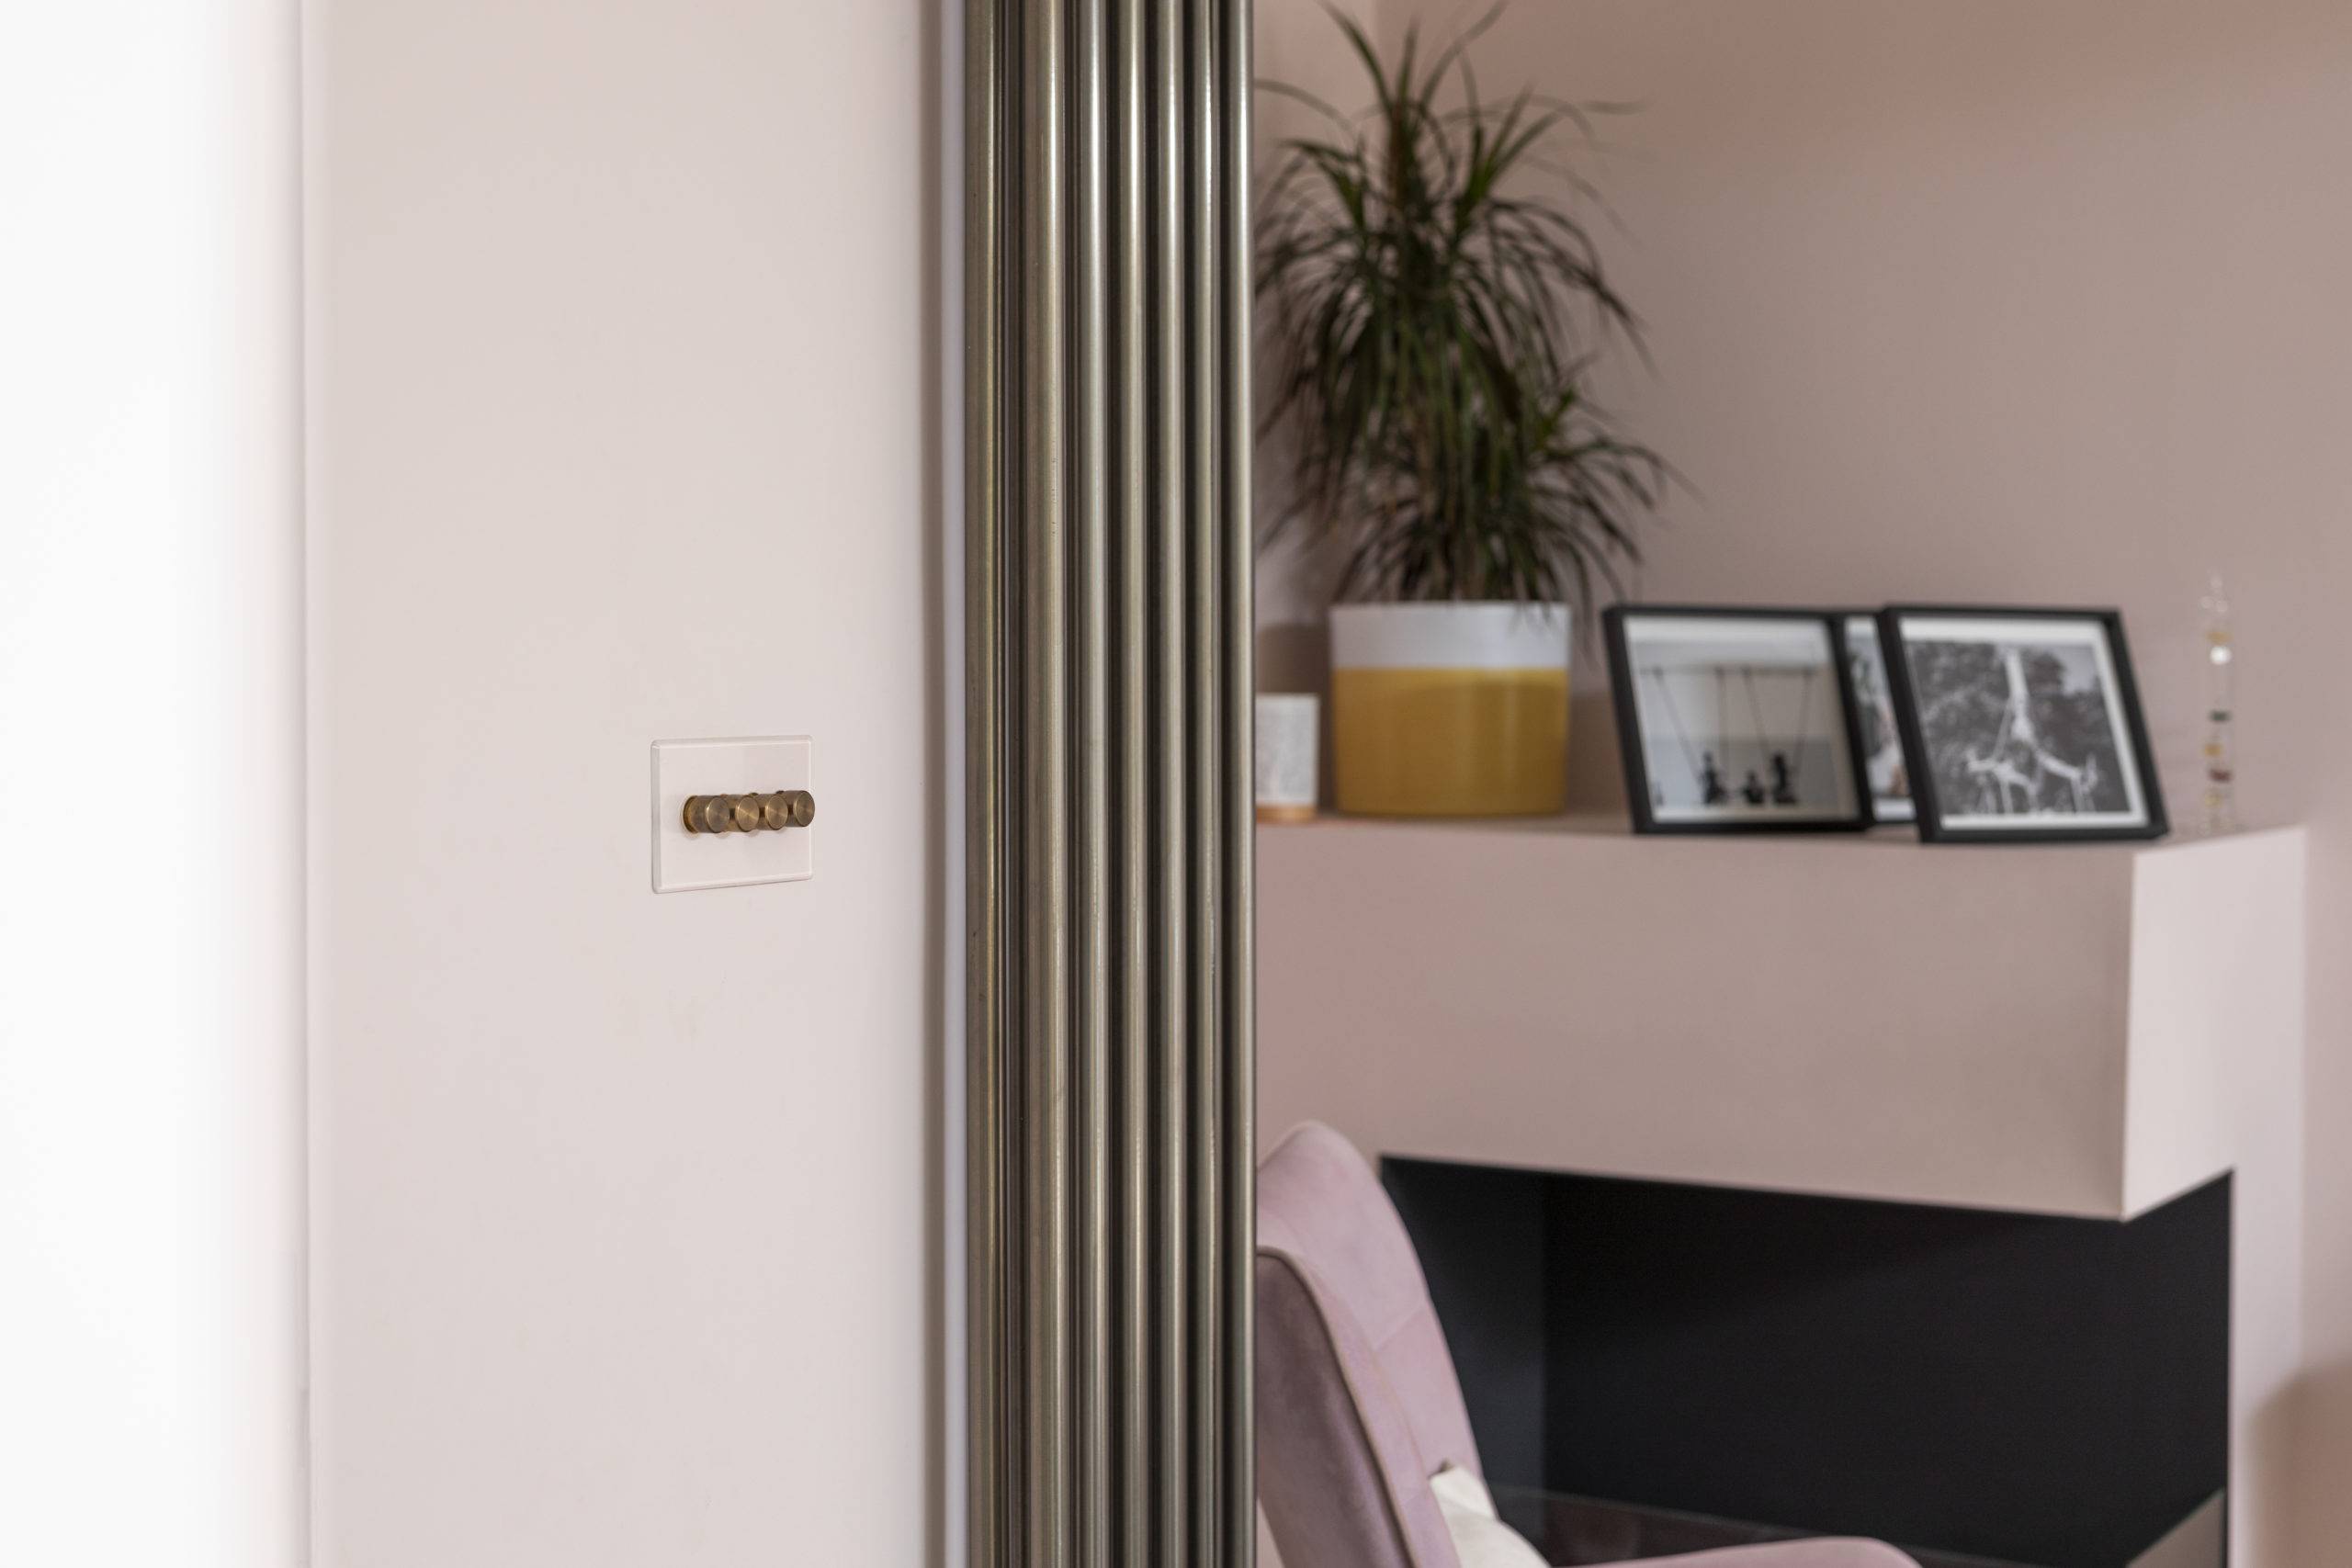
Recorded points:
(1449, 710)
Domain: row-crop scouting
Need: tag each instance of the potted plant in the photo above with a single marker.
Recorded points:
(1429, 307)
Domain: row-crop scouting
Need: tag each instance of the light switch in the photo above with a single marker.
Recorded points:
(686, 859)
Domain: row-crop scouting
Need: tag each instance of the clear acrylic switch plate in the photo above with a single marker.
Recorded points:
(684, 862)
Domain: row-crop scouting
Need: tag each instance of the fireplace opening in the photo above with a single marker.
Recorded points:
(1652, 1367)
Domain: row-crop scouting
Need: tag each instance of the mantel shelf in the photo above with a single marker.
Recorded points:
(1580, 830)
(2057, 1027)
(2086, 1030)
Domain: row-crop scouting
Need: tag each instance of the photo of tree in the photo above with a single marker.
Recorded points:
(2017, 728)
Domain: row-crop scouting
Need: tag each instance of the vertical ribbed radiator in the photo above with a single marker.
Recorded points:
(1108, 548)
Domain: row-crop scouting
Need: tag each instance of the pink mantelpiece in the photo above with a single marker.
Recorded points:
(2076, 1030)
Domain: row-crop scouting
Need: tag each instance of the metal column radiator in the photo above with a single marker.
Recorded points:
(1108, 543)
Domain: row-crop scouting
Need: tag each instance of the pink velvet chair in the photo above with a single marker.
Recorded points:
(1358, 1404)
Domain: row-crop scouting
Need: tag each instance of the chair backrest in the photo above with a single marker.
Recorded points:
(1358, 1404)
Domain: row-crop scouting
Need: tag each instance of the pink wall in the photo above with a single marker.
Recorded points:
(1299, 46)
(2010, 300)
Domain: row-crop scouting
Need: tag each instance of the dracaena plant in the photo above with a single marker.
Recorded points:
(1429, 306)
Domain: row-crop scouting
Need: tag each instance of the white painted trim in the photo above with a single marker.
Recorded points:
(1450, 637)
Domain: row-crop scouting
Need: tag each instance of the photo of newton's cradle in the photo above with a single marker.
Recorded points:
(1768, 761)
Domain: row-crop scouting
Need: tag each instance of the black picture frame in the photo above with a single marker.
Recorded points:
(1944, 820)
(1639, 796)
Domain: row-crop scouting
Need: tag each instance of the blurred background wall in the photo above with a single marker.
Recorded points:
(2001, 302)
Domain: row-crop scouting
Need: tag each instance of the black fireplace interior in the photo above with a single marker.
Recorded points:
(2029, 1390)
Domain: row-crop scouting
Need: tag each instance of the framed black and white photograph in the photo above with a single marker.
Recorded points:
(1736, 720)
(1883, 766)
(2021, 725)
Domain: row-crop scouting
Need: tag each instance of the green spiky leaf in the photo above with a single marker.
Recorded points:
(1432, 303)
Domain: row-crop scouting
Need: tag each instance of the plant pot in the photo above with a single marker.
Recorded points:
(1449, 710)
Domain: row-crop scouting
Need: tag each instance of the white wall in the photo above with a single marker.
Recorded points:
(151, 948)
(627, 1240)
